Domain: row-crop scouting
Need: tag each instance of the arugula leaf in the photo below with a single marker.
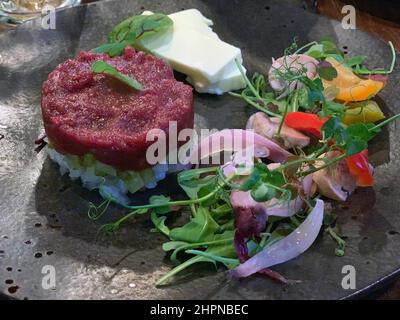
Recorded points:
(103, 67)
(181, 267)
(218, 252)
(223, 239)
(173, 245)
(228, 262)
(201, 228)
(222, 245)
(195, 186)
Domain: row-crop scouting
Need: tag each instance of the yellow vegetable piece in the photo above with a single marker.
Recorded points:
(350, 86)
(366, 112)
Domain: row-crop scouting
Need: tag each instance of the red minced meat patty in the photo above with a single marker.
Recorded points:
(85, 112)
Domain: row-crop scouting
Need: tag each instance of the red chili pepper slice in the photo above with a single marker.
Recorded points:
(305, 122)
(359, 167)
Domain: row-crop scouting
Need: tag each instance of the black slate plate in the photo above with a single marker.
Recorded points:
(43, 216)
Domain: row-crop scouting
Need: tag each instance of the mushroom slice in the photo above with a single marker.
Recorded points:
(335, 182)
(293, 63)
(268, 127)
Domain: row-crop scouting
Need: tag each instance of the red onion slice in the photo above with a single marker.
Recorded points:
(238, 140)
(286, 249)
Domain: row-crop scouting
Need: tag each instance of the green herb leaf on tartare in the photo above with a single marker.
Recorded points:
(104, 67)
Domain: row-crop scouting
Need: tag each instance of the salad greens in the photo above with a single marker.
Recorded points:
(213, 232)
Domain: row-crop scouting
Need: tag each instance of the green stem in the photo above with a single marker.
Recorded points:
(193, 209)
(335, 236)
(181, 267)
(320, 150)
(93, 212)
(205, 170)
(295, 104)
(126, 217)
(207, 243)
(175, 203)
(250, 101)
(234, 94)
(383, 123)
(341, 243)
(256, 94)
(285, 111)
(294, 162)
(196, 245)
(253, 90)
(265, 238)
(305, 46)
(257, 106)
(327, 164)
(225, 261)
(383, 71)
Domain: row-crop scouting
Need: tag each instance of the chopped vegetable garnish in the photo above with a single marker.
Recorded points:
(359, 167)
(350, 86)
(305, 122)
(314, 124)
(365, 112)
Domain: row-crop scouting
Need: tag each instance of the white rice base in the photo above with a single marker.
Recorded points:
(112, 184)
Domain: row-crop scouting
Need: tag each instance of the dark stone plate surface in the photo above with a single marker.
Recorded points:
(43, 215)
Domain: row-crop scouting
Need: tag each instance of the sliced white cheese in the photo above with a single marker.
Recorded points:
(231, 80)
(194, 49)
(194, 19)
